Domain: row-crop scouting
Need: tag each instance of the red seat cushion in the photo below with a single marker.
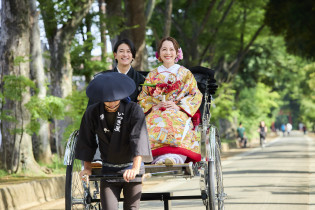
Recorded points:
(191, 156)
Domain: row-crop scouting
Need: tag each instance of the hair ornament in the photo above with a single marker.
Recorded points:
(157, 55)
(180, 55)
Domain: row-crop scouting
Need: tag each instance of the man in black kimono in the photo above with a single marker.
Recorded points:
(124, 53)
(122, 138)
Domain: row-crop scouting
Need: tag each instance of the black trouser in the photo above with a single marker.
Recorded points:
(244, 141)
(110, 194)
(262, 137)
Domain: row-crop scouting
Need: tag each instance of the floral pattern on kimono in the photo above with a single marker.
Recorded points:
(171, 127)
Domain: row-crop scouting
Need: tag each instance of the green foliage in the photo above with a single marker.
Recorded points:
(13, 89)
(257, 102)
(96, 66)
(281, 119)
(48, 108)
(3, 173)
(116, 25)
(255, 105)
(307, 110)
(243, 20)
(263, 63)
(295, 20)
(76, 106)
(81, 58)
(57, 166)
(14, 86)
(19, 59)
(51, 107)
(223, 105)
(307, 100)
(6, 115)
(268, 62)
(58, 12)
(209, 35)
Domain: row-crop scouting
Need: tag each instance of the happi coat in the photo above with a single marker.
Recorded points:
(172, 131)
(128, 138)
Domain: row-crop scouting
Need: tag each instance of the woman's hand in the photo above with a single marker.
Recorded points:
(130, 174)
(157, 107)
(170, 105)
(166, 105)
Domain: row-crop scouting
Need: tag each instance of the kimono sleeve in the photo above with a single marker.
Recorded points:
(139, 138)
(86, 143)
(190, 97)
(146, 101)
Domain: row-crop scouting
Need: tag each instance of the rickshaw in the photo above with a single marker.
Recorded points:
(85, 194)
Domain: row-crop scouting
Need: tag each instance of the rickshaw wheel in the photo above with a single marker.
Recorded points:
(74, 191)
(214, 183)
(74, 187)
(219, 177)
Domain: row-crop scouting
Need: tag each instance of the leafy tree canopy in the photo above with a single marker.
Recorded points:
(295, 20)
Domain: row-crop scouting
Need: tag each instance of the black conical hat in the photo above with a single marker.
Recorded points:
(110, 86)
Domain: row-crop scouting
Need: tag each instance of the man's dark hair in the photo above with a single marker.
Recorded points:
(240, 123)
(127, 42)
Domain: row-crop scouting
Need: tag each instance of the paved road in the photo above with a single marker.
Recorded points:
(279, 177)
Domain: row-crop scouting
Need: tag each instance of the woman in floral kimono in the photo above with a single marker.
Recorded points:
(170, 98)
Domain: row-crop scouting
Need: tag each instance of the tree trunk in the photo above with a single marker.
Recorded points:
(16, 150)
(149, 10)
(41, 143)
(102, 11)
(59, 44)
(60, 68)
(134, 13)
(168, 18)
(59, 39)
(61, 82)
(113, 9)
(135, 16)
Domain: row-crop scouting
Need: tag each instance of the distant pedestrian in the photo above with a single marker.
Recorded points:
(304, 129)
(283, 129)
(273, 127)
(241, 135)
(289, 128)
(262, 130)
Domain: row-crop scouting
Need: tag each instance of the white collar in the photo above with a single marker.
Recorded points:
(173, 69)
(121, 72)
